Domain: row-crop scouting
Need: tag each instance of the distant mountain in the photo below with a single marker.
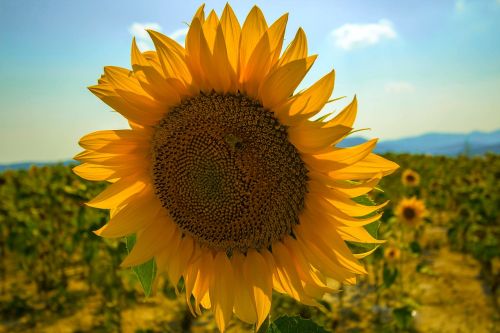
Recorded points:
(474, 143)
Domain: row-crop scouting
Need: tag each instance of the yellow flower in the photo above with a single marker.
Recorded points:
(410, 178)
(392, 254)
(411, 211)
(222, 176)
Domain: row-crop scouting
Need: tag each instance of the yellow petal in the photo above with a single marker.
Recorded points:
(346, 117)
(322, 261)
(226, 77)
(243, 306)
(221, 290)
(329, 242)
(346, 205)
(210, 28)
(170, 258)
(276, 34)
(305, 104)
(191, 275)
(96, 172)
(232, 30)
(206, 274)
(126, 109)
(296, 50)
(310, 138)
(369, 167)
(154, 83)
(118, 192)
(305, 271)
(339, 158)
(115, 141)
(253, 28)
(194, 56)
(365, 254)
(281, 83)
(357, 234)
(135, 216)
(138, 158)
(259, 282)
(346, 188)
(171, 56)
(316, 204)
(150, 241)
(127, 86)
(288, 274)
(257, 67)
(200, 14)
(122, 78)
(271, 266)
(179, 263)
(355, 190)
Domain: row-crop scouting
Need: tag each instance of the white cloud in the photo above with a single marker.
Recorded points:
(138, 30)
(352, 35)
(399, 87)
(179, 34)
(460, 5)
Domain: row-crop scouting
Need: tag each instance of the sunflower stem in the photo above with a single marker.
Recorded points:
(402, 262)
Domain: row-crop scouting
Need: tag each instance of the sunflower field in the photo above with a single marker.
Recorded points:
(439, 270)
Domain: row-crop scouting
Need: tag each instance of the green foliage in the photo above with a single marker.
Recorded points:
(389, 276)
(372, 228)
(403, 317)
(47, 246)
(145, 272)
(287, 324)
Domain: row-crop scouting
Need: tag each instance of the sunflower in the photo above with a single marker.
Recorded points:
(223, 177)
(410, 178)
(411, 211)
(392, 254)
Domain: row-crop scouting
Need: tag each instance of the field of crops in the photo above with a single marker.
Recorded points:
(440, 275)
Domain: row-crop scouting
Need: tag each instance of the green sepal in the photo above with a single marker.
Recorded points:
(145, 272)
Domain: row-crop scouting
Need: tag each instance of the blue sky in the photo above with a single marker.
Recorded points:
(416, 66)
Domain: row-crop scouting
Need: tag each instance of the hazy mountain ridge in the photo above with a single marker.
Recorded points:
(474, 143)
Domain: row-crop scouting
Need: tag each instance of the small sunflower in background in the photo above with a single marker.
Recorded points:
(411, 211)
(223, 177)
(392, 253)
(410, 178)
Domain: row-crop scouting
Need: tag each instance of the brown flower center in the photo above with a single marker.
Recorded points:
(224, 169)
(409, 213)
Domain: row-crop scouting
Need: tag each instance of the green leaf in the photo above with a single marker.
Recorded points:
(415, 247)
(389, 276)
(403, 316)
(364, 200)
(372, 228)
(145, 272)
(286, 324)
(265, 326)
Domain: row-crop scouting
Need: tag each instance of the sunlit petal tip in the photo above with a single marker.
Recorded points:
(200, 13)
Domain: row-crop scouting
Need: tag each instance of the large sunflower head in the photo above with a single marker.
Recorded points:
(411, 211)
(223, 177)
(410, 178)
